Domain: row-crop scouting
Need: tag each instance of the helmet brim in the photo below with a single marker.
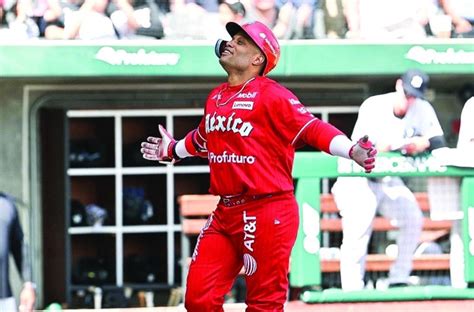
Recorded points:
(233, 28)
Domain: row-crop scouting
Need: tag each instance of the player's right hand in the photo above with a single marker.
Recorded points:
(159, 149)
(363, 153)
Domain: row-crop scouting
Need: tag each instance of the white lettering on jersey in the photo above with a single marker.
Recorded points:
(226, 124)
(225, 158)
(303, 110)
(248, 95)
(294, 101)
(243, 105)
(250, 227)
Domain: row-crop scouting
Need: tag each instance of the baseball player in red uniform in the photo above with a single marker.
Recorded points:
(249, 132)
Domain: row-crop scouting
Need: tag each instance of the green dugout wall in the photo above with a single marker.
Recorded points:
(310, 168)
(59, 74)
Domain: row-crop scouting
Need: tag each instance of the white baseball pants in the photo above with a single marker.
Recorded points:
(358, 199)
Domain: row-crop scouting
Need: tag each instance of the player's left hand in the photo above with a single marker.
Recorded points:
(415, 145)
(363, 153)
(159, 149)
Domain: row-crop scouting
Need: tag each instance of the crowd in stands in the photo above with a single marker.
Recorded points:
(204, 19)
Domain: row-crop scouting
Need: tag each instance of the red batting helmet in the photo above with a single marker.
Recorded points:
(263, 38)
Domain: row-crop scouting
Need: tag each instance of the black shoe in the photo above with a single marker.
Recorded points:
(396, 285)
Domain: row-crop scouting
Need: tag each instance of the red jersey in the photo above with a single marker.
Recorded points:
(250, 132)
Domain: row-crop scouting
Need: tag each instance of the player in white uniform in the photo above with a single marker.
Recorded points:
(465, 145)
(466, 132)
(400, 120)
(445, 192)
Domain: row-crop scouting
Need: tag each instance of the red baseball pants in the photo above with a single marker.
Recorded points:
(258, 235)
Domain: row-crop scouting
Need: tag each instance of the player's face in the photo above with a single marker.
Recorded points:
(404, 101)
(240, 54)
(410, 99)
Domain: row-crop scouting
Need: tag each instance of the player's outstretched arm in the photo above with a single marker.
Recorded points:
(160, 149)
(363, 153)
(331, 140)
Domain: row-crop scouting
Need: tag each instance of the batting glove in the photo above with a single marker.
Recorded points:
(363, 153)
(160, 149)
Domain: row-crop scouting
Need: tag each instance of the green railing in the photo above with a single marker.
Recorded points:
(163, 58)
(310, 168)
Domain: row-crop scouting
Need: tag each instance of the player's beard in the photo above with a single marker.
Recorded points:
(232, 65)
(225, 65)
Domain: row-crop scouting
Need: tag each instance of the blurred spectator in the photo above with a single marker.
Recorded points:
(208, 5)
(16, 22)
(2, 3)
(335, 23)
(387, 19)
(266, 12)
(124, 19)
(137, 20)
(51, 24)
(90, 22)
(295, 19)
(46, 13)
(189, 20)
(462, 16)
(81, 20)
(231, 11)
(101, 19)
